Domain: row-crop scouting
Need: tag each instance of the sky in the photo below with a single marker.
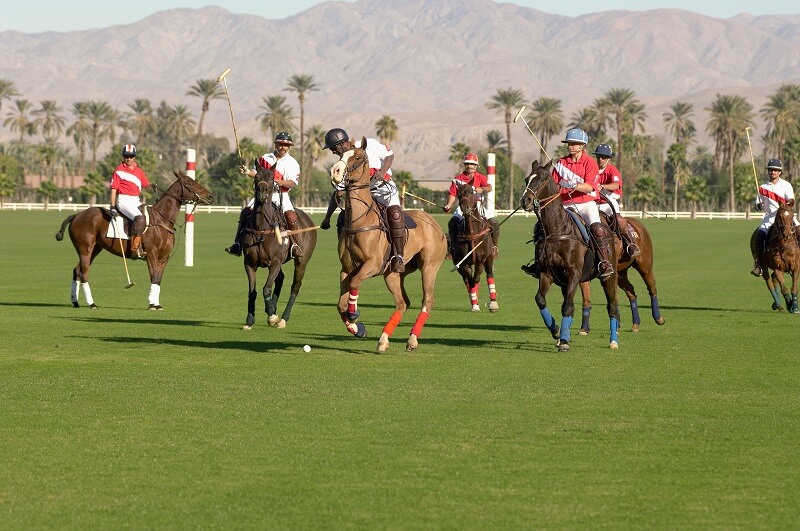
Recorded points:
(35, 16)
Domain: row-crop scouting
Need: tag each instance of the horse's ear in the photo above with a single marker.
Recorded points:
(549, 166)
(790, 203)
(179, 174)
(364, 142)
(534, 166)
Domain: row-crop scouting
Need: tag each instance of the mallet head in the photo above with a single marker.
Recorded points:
(519, 113)
(222, 75)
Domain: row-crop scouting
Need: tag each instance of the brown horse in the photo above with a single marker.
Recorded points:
(566, 258)
(264, 244)
(782, 255)
(643, 264)
(364, 251)
(88, 231)
(472, 250)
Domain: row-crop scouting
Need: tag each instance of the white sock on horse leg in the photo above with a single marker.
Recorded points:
(87, 293)
(153, 296)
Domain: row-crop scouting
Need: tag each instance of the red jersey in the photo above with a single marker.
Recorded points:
(567, 172)
(128, 180)
(610, 175)
(478, 180)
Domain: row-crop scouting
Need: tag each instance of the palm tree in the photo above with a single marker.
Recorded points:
(695, 190)
(8, 90)
(495, 141)
(679, 122)
(592, 120)
(18, 119)
(100, 117)
(49, 191)
(206, 90)
(626, 111)
(386, 129)
(277, 116)
(547, 119)
(507, 101)
(729, 117)
(301, 84)
(458, 151)
(80, 130)
(140, 120)
(180, 124)
(782, 115)
(49, 121)
(645, 192)
(316, 143)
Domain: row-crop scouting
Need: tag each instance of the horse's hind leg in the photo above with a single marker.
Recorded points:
(80, 279)
(586, 312)
(646, 272)
(397, 289)
(428, 272)
(297, 283)
(630, 292)
(270, 299)
(492, 305)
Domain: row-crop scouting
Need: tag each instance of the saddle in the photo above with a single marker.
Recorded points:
(120, 226)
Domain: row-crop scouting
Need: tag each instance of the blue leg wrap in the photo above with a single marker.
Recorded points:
(635, 312)
(614, 327)
(585, 318)
(655, 308)
(548, 319)
(776, 297)
(566, 323)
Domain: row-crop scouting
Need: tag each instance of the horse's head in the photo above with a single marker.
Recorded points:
(352, 166)
(784, 219)
(538, 184)
(188, 190)
(467, 198)
(264, 185)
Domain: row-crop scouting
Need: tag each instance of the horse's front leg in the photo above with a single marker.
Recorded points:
(541, 301)
(471, 281)
(271, 304)
(610, 289)
(492, 304)
(348, 304)
(270, 301)
(252, 294)
(156, 266)
(586, 296)
(567, 313)
(771, 280)
(395, 284)
(793, 308)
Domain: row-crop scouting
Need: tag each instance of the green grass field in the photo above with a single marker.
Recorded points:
(124, 418)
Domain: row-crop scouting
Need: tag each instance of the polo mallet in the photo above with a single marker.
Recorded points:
(752, 159)
(423, 199)
(122, 250)
(516, 119)
(509, 216)
(455, 267)
(283, 233)
(235, 136)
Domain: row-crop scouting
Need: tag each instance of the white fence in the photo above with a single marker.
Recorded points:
(228, 209)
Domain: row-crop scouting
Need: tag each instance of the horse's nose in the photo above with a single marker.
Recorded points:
(526, 202)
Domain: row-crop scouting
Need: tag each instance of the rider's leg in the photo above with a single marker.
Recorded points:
(136, 231)
(629, 236)
(532, 268)
(236, 247)
(397, 232)
(452, 234)
(293, 224)
(602, 241)
(495, 236)
(758, 251)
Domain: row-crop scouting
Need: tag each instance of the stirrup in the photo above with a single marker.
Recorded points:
(532, 269)
(449, 254)
(605, 270)
(495, 251)
(138, 254)
(397, 264)
(235, 249)
(756, 271)
(295, 251)
(633, 250)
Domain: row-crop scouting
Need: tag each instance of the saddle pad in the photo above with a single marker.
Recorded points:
(116, 228)
(576, 218)
(410, 223)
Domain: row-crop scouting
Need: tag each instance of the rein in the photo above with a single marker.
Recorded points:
(349, 186)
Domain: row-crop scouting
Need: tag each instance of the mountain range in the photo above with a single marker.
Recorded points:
(432, 65)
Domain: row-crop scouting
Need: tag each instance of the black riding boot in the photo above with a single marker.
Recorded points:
(495, 225)
(532, 267)
(602, 240)
(292, 224)
(452, 237)
(236, 248)
(758, 250)
(397, 231)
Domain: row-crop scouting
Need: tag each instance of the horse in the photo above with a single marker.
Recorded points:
(364, 251)
(265, 244)
(782, 255)
(472, 250)
(566, 258)
(643, 264)
(88, 231)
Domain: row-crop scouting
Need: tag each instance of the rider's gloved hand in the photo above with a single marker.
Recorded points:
(114, 212)
(447, 208)
(326, 224)
(243, 169)
(760, 206)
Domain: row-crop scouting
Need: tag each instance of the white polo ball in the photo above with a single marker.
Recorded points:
(307, 348)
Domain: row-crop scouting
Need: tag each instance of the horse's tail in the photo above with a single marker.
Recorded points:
(60, 233)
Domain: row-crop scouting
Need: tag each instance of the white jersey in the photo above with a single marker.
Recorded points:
(773, 195)
(384, 191)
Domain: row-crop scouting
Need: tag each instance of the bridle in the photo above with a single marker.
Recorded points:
(539, 204)
(350, 186)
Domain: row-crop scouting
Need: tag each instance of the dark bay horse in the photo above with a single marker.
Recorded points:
(88, 229)
(643, 264)
(473, 248)
(566, 259)
(781, 255)
(364, 251)
(265, 244)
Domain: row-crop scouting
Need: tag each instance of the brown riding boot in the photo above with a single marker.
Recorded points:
(602, 243)
(236, 248)
(452, 236)
(293, 224)
(397, 232)
(757, 249)
(495, 225)
(137, 253)
(629, 236)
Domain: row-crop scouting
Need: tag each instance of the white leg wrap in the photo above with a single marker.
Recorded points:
(155, 291)
(74, 292)
(87, 293)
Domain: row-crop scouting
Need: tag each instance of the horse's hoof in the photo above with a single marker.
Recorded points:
(613, 345)
(93, 306)
(281, 324)
(635, 328)
(273, 320)
(583, 332)
(660, 321)
(382, 346)
(361, 330)
(247, 327)
(412, 343)
(777, 307)
(563, 346)
(476, 308)
(493, 306)
(155, 307)
(556, 333)
(75, 304)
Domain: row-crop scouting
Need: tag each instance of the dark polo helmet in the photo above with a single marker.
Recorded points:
(335, 136)
(284, 138)
(604, 150)
(775, 164)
